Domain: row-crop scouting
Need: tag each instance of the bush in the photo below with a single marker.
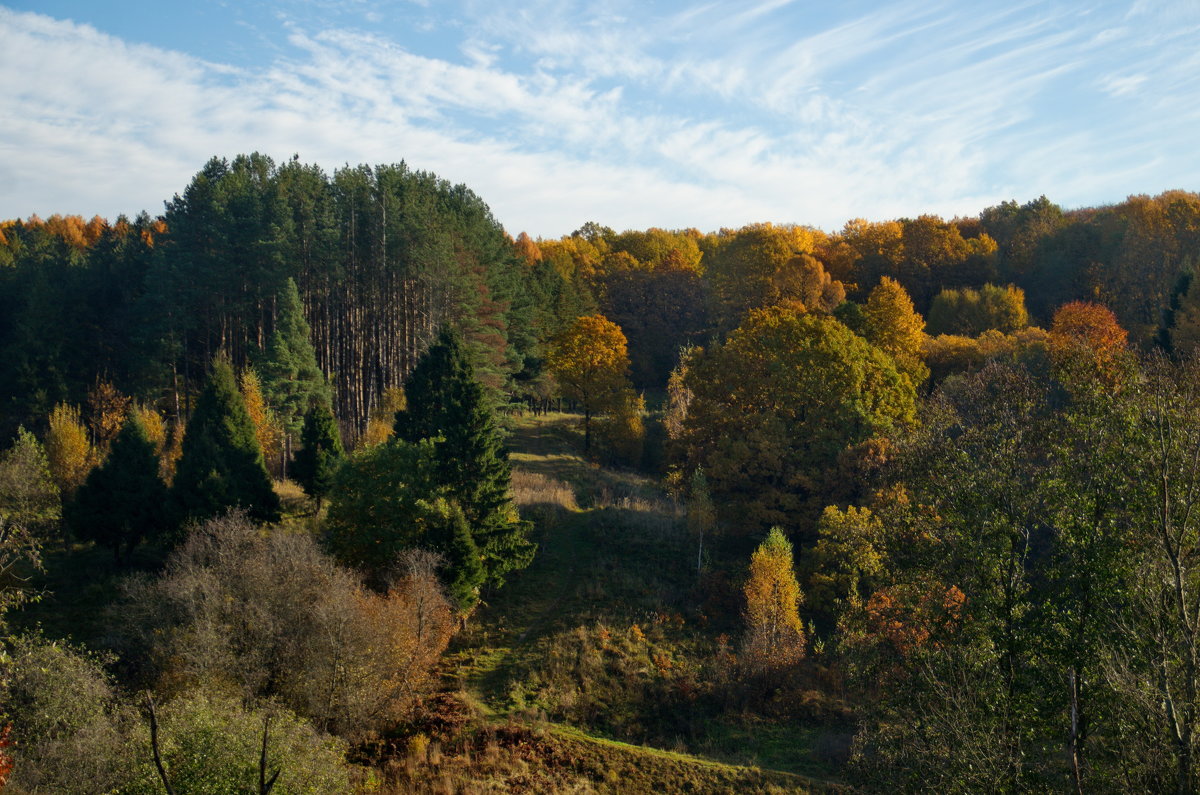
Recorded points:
(267, 614)
(211, 745)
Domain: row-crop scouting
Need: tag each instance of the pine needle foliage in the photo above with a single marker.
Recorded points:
(222, 464)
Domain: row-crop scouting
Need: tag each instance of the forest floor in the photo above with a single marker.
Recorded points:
(607, 636)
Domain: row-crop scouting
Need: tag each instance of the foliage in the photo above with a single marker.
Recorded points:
(320, 452)
(448, 406)
(894, 327)
(775, 406)
(107, 409)
(971, 312)
(69, 726)
(292, 381)
(222, 465)
(622, 432)
(380, 425)
(1087, 345)
(267, 428)
(774, 639)
(269, 615)
(68, 449)
(847, 562)
(212, 745)
(123, 500)
(28, 497)
(590, 363)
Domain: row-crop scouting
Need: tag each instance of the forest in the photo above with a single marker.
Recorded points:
(327, 483)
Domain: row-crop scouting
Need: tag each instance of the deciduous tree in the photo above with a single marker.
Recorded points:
(590, 362)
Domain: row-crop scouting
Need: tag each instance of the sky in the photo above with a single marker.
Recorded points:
(631, 114)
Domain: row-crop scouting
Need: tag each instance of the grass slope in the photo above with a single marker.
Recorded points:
(604, 639)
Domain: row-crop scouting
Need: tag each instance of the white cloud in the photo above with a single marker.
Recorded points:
(712, 116)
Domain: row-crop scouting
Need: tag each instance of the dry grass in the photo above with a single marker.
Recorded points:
(532, 489)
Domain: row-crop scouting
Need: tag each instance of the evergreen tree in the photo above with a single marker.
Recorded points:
(447, 403)
(320, 452)
(291, 378)
(222, 464)
(465, 572)
(123, 501)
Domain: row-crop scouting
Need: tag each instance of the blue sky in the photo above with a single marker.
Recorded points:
(632, 114)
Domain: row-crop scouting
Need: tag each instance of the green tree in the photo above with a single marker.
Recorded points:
(320, 452)
(28, 497)
(222, 465)
(123, 501)
(291, 378)
(775, 406)
(448, 406)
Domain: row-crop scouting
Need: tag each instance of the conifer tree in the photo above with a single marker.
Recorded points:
(448, 404)
(222, 464)
(466, 573)
(291, 379)
(123, 501)
(320, 452)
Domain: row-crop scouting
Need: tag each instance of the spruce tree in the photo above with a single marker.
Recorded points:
(320, 452)
(222, 464)
(448, 404)
(291, 379)
(465, 572)
(123, 501)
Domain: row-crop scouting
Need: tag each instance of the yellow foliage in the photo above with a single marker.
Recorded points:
(68, 449)
(623, 431)
(895, 327)
(156, 429)
(382, 421)
(266, 426)
(107, 409)
(774, 633)
(590, 360)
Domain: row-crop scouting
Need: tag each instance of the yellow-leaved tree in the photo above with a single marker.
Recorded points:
(774, 637)
(893, 325)
(590, 361)
(68, 449)
(267, 428)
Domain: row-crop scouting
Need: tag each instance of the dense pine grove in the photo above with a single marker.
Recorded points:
(330, 475)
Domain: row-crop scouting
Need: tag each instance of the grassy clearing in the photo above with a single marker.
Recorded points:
(606, 633)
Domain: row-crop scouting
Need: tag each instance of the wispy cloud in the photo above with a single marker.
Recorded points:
(706, 116)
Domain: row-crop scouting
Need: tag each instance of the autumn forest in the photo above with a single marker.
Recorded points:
(327, 483)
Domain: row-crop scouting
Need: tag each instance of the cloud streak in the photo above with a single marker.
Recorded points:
(706, 116)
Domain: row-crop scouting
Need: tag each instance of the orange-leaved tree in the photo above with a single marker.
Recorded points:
(590, 361)
(1087, 344)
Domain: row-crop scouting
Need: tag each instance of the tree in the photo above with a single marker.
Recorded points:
(895, 327)
(320, 453)
(123, 501)
(971, 312)
(590, 362)
(775, 406)
(774, 638)
(222, 465)
(68, 449)
(448, 405)
(266, 424)
(1086, 344)
(28, 497)
(291, 378)
(701, 515)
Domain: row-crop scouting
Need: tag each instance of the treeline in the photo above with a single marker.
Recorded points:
(382, 257)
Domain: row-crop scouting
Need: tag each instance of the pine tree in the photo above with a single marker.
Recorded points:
(320, 452)
(222, 464)
(465, 572)
(447, 403)
(291, 378)
(123, 501)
